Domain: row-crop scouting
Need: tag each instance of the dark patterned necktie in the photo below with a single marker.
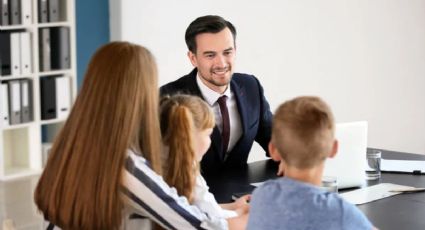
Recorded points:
(225, 132)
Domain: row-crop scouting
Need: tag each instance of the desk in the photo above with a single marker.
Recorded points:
(404, 211)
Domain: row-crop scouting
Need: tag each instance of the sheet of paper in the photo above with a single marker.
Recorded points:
(402, 165)
(257, 184)
(372, 193)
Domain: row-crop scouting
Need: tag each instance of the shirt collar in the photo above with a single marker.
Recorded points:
(210, 95)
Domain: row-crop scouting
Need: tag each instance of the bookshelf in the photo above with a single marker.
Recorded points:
(46, 53)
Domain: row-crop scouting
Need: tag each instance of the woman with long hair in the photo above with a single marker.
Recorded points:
(105, 164)
(186, 126)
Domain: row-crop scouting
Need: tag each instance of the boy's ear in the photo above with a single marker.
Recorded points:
(334, 149)
(274, 153)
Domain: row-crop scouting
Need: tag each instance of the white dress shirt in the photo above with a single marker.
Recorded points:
(211, 98)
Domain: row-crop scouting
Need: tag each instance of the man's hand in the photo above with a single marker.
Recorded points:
(240, 206)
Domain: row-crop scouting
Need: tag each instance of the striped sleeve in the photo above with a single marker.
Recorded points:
(148, 194)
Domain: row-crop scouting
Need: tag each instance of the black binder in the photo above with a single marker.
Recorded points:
(5, 54)
(60, 48)
(48, 97)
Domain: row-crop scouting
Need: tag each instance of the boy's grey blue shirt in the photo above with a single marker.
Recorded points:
(289, 204)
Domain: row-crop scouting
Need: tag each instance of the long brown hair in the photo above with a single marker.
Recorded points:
(180, 116)
(116, 109)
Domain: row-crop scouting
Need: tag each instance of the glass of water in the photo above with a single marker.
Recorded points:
(373, 167)
(330, 184)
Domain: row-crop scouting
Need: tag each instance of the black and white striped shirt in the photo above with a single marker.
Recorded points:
(146, 194)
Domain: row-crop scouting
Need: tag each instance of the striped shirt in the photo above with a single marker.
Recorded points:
(146, 194)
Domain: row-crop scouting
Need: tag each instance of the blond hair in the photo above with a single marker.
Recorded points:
(116, 109)
(303, 131)
(180, 116)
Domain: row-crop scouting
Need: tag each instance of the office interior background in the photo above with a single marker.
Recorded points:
(365, 58)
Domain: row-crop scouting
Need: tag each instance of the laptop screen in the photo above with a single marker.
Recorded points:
(349, 163)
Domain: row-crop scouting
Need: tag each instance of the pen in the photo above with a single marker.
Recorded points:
(408, 190)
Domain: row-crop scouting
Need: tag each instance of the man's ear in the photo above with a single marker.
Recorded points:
(274, 153)
(334, 149)
(192, 58)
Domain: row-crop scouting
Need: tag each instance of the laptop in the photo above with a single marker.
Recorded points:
(349, 163)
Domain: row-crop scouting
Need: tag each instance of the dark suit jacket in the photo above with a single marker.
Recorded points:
(255, 115)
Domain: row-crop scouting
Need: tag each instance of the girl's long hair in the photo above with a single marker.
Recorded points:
(116, 109)
(180, 116)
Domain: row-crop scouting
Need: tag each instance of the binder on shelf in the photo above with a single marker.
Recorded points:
(26, 66)
(44, 49)
(48, 97)
(5, 52)
(60, 48)
(63, 97)
(42, 11)
(4, 10)
(54, 10)
(14, 102)
(15, 12)
(26, 12)
(15, 55)
(26, 102)
(4, 107)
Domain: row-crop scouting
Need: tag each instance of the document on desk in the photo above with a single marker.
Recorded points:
(376, 192)
(415, 167)
(257, 184)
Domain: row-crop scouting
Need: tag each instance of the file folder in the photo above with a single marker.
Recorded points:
(26, 66)
(15, 12)
(15, 54)
(44, 53)
(63, 97)
(26, 102)
(4, 10)
(14, 102)
(48, 98)
(4, 107)
(60, 50)
(5, 53)
(54, 8)
(26, 12)
(42, 11)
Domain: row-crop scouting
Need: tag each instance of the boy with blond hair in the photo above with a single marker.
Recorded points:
(302, 139)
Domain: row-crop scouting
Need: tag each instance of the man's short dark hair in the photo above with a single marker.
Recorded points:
(206, 24)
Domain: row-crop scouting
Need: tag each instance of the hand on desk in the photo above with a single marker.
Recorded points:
(240, 206)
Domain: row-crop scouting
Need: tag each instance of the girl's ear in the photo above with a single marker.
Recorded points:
(274, 153)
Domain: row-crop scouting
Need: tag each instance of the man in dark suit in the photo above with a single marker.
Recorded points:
(242, 112)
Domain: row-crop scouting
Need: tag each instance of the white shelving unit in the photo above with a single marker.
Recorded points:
(21, 144)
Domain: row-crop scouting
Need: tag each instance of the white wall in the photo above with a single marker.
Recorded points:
(365, 58)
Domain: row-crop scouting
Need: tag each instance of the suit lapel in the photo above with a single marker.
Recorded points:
(239, 92)
(192, 85)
